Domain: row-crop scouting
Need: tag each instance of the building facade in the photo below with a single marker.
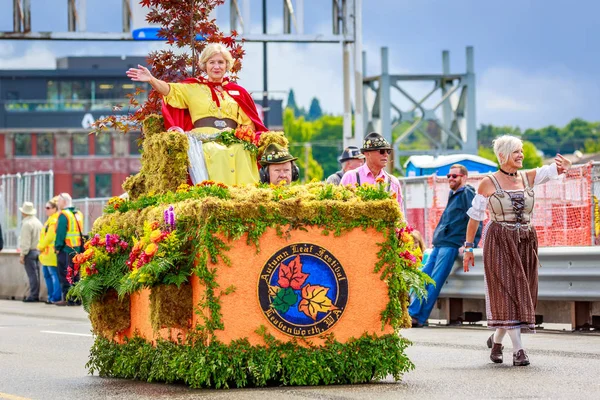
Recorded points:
(46, 117)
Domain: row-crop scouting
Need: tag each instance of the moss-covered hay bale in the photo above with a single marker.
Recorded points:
(171, 306)
(110, 314)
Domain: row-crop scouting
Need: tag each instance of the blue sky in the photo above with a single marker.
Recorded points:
(535, 60)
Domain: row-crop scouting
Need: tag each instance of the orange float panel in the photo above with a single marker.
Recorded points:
(302, 285)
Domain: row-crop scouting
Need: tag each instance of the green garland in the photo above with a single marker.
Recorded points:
(240, 364)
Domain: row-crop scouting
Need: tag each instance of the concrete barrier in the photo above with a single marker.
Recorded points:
(569, 287)
(14, 284)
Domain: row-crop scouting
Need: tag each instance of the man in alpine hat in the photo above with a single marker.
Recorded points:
(278, 166)
(377, 152)
(350, 159)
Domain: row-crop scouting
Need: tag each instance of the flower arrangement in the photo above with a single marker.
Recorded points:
(96, 249)
(158, 252)
(115, 202)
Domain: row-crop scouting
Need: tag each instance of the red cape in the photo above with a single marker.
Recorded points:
(181, 116)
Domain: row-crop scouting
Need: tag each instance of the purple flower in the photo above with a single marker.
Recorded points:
(169, 217)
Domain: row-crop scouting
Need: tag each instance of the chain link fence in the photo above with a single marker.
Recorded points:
(15, 189)
(567, 211)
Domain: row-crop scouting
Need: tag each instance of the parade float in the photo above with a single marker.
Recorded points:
(243, 286)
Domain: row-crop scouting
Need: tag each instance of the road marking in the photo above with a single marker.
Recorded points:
(12, 397)
(68, 333)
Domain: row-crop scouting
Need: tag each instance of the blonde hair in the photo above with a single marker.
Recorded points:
(214, 49)
(504, 146)
(418, 238)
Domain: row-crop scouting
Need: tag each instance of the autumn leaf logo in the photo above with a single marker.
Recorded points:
(315, 300)
(292, 279)
(291, 275)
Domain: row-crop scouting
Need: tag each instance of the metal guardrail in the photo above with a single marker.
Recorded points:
(566, 274)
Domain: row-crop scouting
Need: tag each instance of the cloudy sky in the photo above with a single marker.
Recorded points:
(536, 61)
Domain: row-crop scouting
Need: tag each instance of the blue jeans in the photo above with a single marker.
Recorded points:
(52, 283)
(438, 267)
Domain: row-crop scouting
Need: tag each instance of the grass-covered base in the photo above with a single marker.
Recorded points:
(110, 314)
(241, 364)
(171, 306)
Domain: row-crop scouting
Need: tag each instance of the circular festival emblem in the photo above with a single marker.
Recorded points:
(303, 290)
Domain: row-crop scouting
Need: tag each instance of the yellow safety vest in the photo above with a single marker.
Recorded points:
(73, 238)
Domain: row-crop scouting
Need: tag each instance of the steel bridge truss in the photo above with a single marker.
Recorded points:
(456, 104)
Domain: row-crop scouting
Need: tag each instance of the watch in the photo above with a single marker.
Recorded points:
(469, 244)
(468, 250)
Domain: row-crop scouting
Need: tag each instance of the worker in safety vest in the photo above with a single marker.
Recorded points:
(68, 242)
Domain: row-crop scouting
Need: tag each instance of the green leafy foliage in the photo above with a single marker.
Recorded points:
(576, 135)
(215, 365)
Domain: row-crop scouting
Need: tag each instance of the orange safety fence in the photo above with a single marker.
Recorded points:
(565, 214)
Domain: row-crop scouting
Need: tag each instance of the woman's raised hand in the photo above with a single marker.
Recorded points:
(140, 74)
(562, 164)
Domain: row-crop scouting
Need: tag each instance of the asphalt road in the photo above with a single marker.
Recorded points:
(43, 351)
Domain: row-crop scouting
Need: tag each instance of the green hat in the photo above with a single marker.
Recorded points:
(276, 154)
(374, 141)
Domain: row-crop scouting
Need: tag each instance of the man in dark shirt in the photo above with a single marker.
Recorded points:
(350, 159)
(448, 238)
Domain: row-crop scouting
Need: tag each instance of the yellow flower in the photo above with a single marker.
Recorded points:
(138, 246)
(151, 249)
(156, 235)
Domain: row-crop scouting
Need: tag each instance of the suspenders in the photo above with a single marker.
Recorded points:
(389, 180)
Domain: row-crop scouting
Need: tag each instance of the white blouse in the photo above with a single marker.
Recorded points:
(480, 202)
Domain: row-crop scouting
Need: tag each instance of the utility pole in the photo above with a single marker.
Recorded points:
(265, 100)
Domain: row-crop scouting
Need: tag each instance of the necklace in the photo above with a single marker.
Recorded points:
(512, 175)
(508, 173)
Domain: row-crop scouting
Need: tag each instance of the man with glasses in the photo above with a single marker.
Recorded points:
(377, 152)
(448, 238)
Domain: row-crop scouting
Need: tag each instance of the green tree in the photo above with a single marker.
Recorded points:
(314, 112)
(328, 142)
(487, 133)
(291, 102)
(299, 132)
(487, 153)
(531, 158)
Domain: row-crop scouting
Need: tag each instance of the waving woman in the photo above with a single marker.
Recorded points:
(206, 106)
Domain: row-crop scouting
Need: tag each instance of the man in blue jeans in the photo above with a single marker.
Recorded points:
(448, 237)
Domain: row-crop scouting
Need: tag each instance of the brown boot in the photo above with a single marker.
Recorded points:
(496, 354)
(520, 359)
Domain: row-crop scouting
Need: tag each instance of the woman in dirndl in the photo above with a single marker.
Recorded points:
(204, 107)
(510, 248)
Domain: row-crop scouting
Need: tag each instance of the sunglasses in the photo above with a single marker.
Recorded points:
(384, 151)
(453, 176)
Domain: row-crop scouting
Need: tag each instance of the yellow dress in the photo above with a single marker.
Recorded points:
(229, 165)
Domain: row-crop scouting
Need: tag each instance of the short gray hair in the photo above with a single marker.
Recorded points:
(67, 198)
(504, 146)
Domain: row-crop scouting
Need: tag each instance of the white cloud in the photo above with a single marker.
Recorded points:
(508, 96)
(312, 70)
(36, 56)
